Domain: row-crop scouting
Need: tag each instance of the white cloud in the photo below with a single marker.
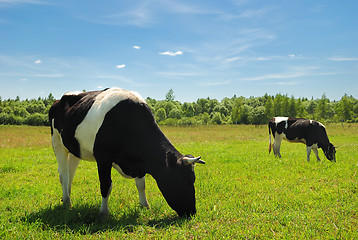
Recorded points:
(342, 59)
(137, 47)
(48, 75)
(210, 83)
(38, 61)
(23, 79)
(181, 74)
(121, 66)
(169, 53)
(119, 78)
(234, 59)
(288, 83)
(275, 76)
(291, 55)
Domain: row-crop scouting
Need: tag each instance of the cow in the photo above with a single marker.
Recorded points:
(116, 128)
(310, 132)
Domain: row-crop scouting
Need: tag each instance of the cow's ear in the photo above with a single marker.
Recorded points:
(172, 159)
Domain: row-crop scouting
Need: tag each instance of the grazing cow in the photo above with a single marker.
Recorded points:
(310, 132)
(116, 128)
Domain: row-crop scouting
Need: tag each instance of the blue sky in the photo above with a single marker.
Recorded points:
(211, 48)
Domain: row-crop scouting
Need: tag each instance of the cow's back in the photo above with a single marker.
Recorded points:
(79, 116)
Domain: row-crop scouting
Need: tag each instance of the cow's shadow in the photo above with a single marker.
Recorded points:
(85, 220)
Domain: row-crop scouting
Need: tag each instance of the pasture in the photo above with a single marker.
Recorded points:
(241, 192)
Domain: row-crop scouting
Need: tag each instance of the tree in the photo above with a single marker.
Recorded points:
(311, 108)
(216, 118)
(188, 110)
(292, 109)
(175, 113)
(269, 110)
(170, 96)
(221, 109)
(210, 105)
(285, 106)
(244, 114)
(236, 110)
(277, 105)
(301, 111)
(322, 107)
(161, 115)
(344, 109)
(257, 115)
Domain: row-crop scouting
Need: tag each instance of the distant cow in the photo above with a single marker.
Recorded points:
(310, 132)
(116, 128)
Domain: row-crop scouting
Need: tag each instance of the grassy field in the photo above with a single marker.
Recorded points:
(242, 191)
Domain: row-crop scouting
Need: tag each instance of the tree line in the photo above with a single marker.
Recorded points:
(234, 110)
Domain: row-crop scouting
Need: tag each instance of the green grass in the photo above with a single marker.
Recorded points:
(242, 191)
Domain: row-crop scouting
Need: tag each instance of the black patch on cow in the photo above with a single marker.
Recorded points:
(130, 137)
(172, 159)
(280, 128)
(130, 165)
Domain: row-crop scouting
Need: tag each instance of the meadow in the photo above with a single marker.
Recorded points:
(242, 191)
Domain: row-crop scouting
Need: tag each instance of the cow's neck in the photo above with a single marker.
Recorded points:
(155, 153)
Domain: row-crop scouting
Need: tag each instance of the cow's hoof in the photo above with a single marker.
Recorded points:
(66, 203)
(103, 216)
(146, 205)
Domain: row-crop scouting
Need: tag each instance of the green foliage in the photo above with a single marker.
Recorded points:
(29, 112)
(235, 110)
(169, 97)
(160, 115)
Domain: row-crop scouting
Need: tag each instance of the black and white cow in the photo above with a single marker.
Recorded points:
(310, 132)
(116, 128)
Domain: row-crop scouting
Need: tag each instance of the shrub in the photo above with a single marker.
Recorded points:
(37, 119)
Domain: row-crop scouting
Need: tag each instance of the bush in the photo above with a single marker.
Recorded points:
(175, 113)
(160, 115)
(216, 118)
(170, 122)
(10, 119)
(37, 119)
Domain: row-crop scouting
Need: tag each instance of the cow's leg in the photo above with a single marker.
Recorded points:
(315, 150)
(63, 171)
(61, 154)
(277, 145)
(140, 183)
(309, 148)
(104, 173)
(73, 164)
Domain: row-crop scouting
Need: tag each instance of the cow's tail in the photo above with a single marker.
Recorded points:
(270, 145)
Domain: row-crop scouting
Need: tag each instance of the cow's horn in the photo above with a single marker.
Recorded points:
(188, 160)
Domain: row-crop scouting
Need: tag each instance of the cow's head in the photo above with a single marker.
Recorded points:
(177, 184)
(330, 152)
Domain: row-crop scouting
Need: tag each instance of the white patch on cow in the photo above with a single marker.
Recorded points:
(104, 102)
(140, 184)
(73, 93)
(119, 169)
(63, 167)
(311, 121)
(314, 147)
(296, 140)
(104, 211)
(281, 119)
